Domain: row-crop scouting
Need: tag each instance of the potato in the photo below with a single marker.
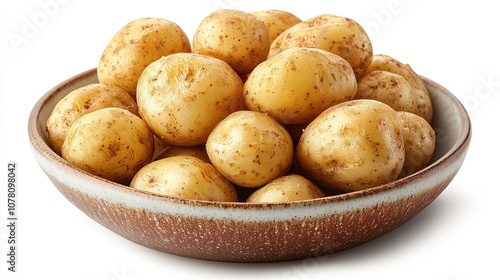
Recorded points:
(81, 101)
(336, 34)
(352, 146)
(298, 84)
(195, 151)
(276, 21)
(387, 63)
(250, 148)
(135, 46)
(236, 37)
(390, 88)
(419, 142)
(286, 188)
(184, 177)
(183, 96)
(111, 143)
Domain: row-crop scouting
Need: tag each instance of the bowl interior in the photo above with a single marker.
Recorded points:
(450, 121)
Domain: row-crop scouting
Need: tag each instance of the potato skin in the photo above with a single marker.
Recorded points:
(81, 101)
(276, 21)
(389, 88)
(183, 96)
(135, 46)
(423, 101)
(236, 37)
(111, 143)
(285, 189)
(419, 142)
(184, 177)
(298, 84)
(250, 148)
(352, 146)
(339, 35)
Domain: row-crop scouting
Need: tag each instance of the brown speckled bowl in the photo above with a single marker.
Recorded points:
(241, 232)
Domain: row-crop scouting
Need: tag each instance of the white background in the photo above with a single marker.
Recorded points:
(455, 43)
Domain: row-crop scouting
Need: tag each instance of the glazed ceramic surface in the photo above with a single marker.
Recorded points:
(243, 232)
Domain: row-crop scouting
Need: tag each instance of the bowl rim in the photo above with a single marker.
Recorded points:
(38, 144)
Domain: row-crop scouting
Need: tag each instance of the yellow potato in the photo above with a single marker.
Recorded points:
(81, 101)
(387, 63)
(390, 88)
(298, 84)
(352, 146)
(184, 177)
(276, 21)
(250, 148)
(236, 37)
(336, 34)
(183, 96)
(135, 46)
(111, 143)
(195, 151)
(419, 141)
(286, 188)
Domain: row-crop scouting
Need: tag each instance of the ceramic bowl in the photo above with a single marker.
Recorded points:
(241, 232)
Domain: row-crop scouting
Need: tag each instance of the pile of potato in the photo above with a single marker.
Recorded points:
(258, 107)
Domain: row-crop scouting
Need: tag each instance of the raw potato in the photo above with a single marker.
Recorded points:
(261, 103)
(184, 177)
(387, 63)
(194, 151)
(111, 143)
(298, 84)
(81, 101)
(352, 146)
(183, 96)
(135, 46)
(236, 37)
(286, 188)
(336, 34)
(389, 88)
(250, 148)
(276, 21)
(419, 141)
